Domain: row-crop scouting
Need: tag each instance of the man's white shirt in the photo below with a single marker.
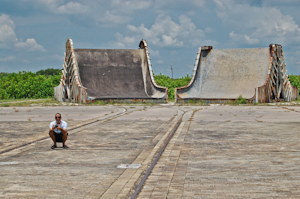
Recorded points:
(63, 125)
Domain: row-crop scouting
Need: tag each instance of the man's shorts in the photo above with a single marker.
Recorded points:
(58, 136)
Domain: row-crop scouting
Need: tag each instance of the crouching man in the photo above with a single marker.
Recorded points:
(58, 131)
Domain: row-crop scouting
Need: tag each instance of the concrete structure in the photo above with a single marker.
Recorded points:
(217, 152)
(108, 74)
(258, 74)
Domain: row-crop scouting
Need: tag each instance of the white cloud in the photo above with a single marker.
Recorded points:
(72, 8)
(95, 12)
(232, 34)
(26, 61)
(154, 53)
(60, 7)
(162, 5)
(251, 40)
(8, 37)
(9, 58)
(49, 5)
(56, 57)
(129, 6)
(111, 19)
(123, 41)
(208, 30)
(160, 61)
(50, 57)
(244, 38)
(30, 45)
(7, 33)
(253, 25)
(165, 33)
(49, 2)
(293, 60)
(280, 2)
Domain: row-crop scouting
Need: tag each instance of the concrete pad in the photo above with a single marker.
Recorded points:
(89, 167)
(249, 113)
(236, 158)
(153, 113)
(247, 151)
(21, 125)
(42, 113)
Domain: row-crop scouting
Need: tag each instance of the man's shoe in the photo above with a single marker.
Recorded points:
(54, 146)
(65, 147)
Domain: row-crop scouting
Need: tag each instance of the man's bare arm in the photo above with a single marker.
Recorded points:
(53, 127)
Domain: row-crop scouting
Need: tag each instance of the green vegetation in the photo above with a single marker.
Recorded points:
(97, 102)
(170, 83)
(27, 85)
(241, 100)
(29, 102)
(49, 72)
(192, 102)
(295, 80)
(3, 74)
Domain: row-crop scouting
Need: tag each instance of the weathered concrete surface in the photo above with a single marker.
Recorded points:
(221, 154)
(113, 74)
(276, 114)
(33, 122)
(221, 75)
(88, 169)
(217, 152)
(228, 73)
(42, 113)
(108, 74)
(148, 114)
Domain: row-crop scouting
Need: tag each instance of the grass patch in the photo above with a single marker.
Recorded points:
(98, 103)
(241, 100)
(28, 102)
(15, 100)
(145, 103)
(193, 102)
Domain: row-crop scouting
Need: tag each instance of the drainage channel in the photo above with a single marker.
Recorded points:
(141, 184)
(86, 124)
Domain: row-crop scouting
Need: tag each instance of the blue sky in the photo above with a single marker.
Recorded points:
(33, 32)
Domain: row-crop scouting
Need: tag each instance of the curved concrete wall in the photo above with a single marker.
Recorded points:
(108, 74)
(224, 74)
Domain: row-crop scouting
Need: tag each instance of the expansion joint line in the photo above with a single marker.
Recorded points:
(139, 187)
(178, 158)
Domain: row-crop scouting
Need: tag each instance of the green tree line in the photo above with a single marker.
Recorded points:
(295, 80)
(170, 83)
(28, 84)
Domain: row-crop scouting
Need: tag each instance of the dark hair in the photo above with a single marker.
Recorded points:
(58, 114)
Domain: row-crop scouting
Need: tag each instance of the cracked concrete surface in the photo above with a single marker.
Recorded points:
(217, 152)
